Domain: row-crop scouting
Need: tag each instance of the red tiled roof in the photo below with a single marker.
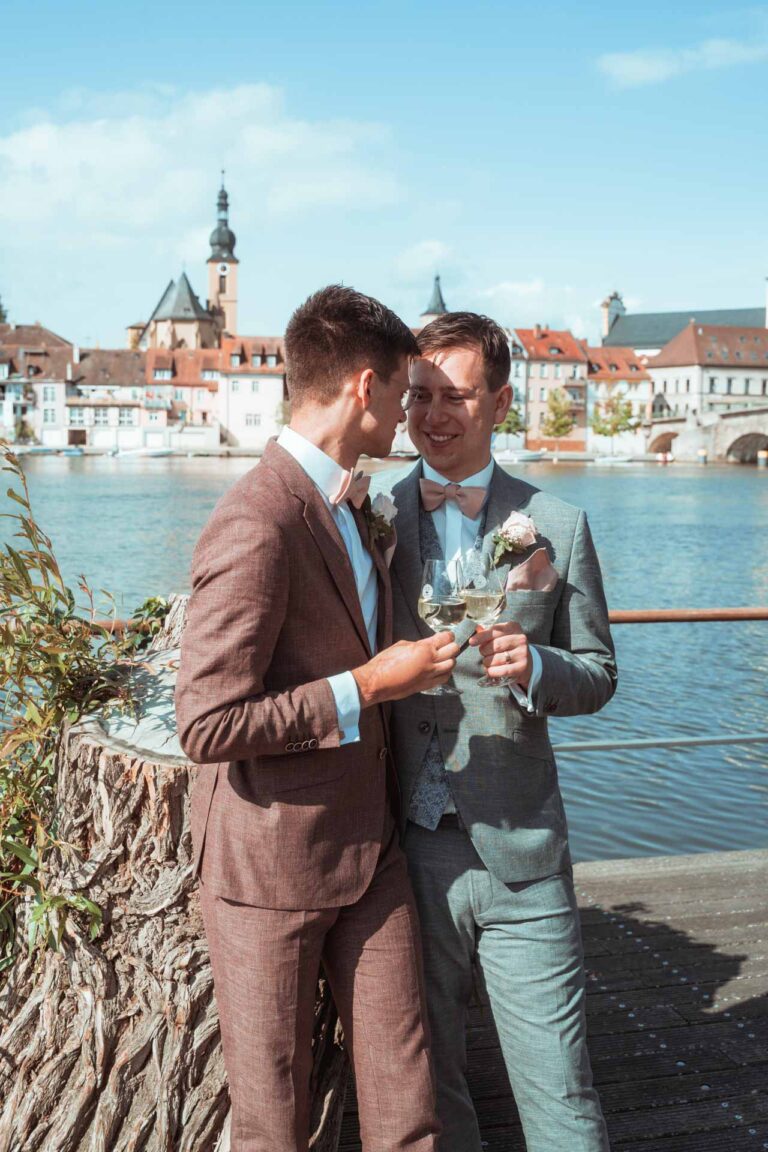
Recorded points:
(555, 346)
(109, 367)
(611, 364)
(714, 346)
(31, 335)
(248, 346)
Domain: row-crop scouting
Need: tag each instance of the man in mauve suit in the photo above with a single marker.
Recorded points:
(285, 667)
(484, 826)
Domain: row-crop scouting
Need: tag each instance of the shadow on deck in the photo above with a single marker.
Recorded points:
(676, 952)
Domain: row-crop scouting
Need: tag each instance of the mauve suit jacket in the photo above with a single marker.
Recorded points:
(283, 816)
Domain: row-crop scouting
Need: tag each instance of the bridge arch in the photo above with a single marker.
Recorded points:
(744, 449)
(663, 442)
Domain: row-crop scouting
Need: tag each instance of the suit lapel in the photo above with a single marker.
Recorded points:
(406, 562)
(506, 494)
(323, 529)
(384, 615)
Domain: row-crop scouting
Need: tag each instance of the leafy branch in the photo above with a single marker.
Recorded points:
(56, 665)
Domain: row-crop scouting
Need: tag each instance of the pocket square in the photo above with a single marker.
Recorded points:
(536, 574)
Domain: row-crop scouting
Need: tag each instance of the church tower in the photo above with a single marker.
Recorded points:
(436, 306)
(222, 266)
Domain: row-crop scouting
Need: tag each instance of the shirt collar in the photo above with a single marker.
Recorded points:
(324, 472)
(480, 480)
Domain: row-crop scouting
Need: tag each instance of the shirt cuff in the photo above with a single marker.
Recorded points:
(347, 697)
(527, 701)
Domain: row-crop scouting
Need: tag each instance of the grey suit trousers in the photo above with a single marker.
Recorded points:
(525, 937)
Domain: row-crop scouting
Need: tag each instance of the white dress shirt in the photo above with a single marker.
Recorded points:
(457, 534)
(327, 477)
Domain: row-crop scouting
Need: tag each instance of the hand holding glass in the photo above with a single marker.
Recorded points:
(485, 598)
(441, 607)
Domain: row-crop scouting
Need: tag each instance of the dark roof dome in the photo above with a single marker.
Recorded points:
(222, 239)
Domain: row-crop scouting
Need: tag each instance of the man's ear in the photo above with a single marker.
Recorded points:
(503, 401)
(363, 386)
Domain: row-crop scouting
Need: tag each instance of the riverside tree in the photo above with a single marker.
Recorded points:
(612, 417)
(559, 419)
(3, 312)
(513, 422)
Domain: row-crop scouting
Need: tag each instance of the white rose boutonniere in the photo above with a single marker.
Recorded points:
(516, 534)
(380, 514)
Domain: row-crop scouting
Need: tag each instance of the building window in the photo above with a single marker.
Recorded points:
(687, 384)
(272, 360)
(256, 360)
(712, 384)
(234, 360)
(3, 371)
(222, 284)
(235, 385)
(201, 395)
(558, 371)
(101, 417)
(543, 371)
(178, 394)
(575, 372)
(729, 385)
(765, 387)
(747, 383)
(162, 374)
(254, 385)
(542, 393)
(49, 415)
(154, 417)
(77, 416)
(209, 374)
(252, 420)
(49, 394)
(125, 418)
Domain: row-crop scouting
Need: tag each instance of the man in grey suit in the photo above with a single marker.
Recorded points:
(485, 832)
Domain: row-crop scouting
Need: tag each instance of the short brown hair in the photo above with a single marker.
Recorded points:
(471, 330)
(338, 331)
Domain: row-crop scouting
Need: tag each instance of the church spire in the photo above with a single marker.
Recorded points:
(436, 306)
(222, 238)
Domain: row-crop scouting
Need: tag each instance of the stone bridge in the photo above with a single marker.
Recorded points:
(736, 436)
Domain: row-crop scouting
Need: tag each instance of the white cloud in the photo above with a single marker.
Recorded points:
(144, 163)
(654, 66)
(422, 260)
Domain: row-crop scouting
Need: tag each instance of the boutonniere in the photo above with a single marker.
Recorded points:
(516, 534)
(379, 516)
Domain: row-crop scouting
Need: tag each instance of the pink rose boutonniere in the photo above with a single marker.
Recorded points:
(516, 534)
(380, 514)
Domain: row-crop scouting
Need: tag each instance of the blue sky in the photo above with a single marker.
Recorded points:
(536, 155)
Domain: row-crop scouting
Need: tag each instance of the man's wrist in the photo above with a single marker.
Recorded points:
(368, 685)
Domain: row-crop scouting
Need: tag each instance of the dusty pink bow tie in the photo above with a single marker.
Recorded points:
(354, 488)
(470, 500)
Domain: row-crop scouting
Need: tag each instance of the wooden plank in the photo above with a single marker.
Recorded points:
(677, 1003)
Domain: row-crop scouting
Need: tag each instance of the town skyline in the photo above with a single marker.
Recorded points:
(538, 159)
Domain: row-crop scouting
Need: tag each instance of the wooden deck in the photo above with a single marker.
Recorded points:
(677, 968)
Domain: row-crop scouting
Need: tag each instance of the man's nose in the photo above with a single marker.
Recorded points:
(435, 413)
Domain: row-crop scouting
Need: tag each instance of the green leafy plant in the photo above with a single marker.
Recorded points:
(513, 422)
(56, 664)
(559, 420)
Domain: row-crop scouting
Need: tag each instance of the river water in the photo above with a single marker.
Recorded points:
(667, 537)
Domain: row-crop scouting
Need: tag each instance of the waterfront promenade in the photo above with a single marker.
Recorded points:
(677, 968)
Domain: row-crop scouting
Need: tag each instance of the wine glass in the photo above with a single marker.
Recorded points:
(485, 598)
(441, 607)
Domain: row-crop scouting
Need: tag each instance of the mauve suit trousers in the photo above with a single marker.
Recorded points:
(265, 967)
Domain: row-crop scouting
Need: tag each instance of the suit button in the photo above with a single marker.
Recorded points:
(382, 753)
(424, 726)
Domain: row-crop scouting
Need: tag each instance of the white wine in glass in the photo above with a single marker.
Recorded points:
(441, 606)
(485, 597)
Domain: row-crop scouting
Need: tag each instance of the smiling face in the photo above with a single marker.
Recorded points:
(452, 413)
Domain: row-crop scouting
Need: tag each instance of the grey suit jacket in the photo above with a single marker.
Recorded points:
(502, 770)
